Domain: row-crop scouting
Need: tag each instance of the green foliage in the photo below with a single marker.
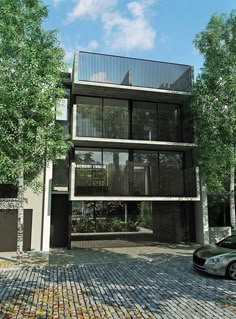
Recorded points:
(86, 225)
(145, 216)
(31, 63)
(214, 100)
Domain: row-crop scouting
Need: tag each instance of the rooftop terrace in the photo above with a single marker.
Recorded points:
(93, 67)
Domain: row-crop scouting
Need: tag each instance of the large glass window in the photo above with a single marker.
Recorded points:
(116, 163)
(171, 174)
(145, 173)
(169, 123)
(100, 172)
(115, 118)
(90, 174)
(111, 118)
(89, 116)
(144, 121)
(118, 172)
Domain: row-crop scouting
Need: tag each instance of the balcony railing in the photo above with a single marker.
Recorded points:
(102, 68)
(132, 179)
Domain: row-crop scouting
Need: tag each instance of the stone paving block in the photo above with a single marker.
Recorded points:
(166, 288)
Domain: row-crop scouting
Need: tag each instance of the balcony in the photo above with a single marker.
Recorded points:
(120, 121)
(98, 73)
(111, 173)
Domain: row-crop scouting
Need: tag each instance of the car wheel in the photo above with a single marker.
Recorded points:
(231, 270)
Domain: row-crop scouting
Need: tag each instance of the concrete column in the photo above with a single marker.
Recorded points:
(47, 208)
(201, 217)
(126, 213)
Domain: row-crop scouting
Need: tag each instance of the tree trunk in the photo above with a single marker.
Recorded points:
(20, 216)
(232, 198)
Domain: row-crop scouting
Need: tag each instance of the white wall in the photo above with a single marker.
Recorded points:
(41, 217)
(34, 201)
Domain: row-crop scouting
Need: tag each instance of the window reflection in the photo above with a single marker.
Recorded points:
(169, 123)
(89, 116)
(117, 172)
(171, 173)
(115, 118)
(110, 118)
(145, 121)
(116, 162)
(100, 172)
(145, 173)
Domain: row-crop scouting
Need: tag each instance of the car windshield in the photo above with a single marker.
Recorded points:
(229, 242)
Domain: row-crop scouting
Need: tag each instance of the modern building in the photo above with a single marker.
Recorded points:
(132, 133)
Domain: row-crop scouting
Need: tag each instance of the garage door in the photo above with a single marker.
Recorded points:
(8, 229)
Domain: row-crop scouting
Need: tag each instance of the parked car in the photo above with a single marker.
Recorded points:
(218, 259)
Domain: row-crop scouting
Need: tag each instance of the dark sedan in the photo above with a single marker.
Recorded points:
(218, 259)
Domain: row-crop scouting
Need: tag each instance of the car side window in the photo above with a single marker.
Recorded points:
(229, 242)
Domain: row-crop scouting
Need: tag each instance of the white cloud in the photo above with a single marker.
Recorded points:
(128, 30)
(92, 45)
(69, 51)
(195, 51)
(99, 77)
(90, 8)
(129, 33)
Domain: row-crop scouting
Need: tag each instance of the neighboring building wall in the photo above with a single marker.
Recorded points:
(35, 202)
(40, 204)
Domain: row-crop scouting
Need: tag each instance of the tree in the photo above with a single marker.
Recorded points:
(31, 64)
(214, 105)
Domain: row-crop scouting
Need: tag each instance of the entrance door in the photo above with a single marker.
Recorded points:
(59, 221)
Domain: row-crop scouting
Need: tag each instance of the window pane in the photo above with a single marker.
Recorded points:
(115, 118)
(90, 175)
(60, 173)
(89, 116)
(116, 165)
(145, 173)
(144, 121)
(84, 155)
(171, 174)
(8, 191)
(62, 110)
(169, 123)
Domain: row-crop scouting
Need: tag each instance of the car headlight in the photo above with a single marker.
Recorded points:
(214, 260)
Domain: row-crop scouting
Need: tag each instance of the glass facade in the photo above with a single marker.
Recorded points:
(169, 122)
(146, 173)
(121, 119)
(145, 121)
(89, 116)
(101, 172)
(118, 172)
(94, 67)
(171, 174)
(115, 118)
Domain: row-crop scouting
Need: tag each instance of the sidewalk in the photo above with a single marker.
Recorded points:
(94, 253)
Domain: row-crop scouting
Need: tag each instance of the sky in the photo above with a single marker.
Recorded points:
(161, 30)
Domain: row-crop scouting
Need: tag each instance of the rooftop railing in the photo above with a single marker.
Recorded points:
(111, 69)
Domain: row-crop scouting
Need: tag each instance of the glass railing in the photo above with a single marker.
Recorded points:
(111, 69)
(132, 179)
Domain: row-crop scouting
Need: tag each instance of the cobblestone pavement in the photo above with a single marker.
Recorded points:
(161, 286)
